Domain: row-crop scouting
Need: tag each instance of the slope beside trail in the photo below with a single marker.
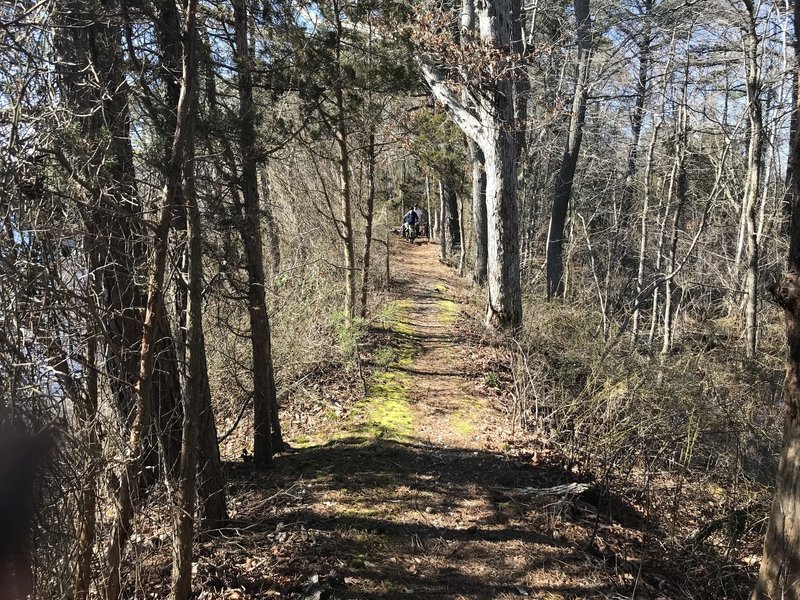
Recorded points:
(399, 495)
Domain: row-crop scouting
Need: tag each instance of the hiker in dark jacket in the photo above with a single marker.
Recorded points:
(410, 222)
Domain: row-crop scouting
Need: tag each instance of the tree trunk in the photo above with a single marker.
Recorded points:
(211, 483)
(463, 247)
(451, 218)
(780, 565)
(264, 397)
(504, 308)
(121, 527)
(476, 155)
(87, 502)
(490, 123)
(442, 223)
(677, 190)
(368, 214)
(270, 225)
(184, 509)
(753, 177)
(521, 84)
(479, 212)
(569, 161)
(643, 231)
(637, 117)
(388, 253)
(345, 179)
(433, 215)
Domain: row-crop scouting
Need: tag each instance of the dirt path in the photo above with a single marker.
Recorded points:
(398, 498)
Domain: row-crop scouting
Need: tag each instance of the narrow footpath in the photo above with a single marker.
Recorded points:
(401, 496)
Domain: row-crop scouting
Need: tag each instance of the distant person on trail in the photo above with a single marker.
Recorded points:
(410, 221)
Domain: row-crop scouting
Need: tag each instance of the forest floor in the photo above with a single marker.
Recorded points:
(414, 489)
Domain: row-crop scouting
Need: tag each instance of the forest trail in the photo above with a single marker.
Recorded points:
(398, 497)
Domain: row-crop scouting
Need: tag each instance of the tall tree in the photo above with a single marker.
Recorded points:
(569, 160)
(197, 379)
(780, 563)
(491, 125)
(755, 151)
(480, 231)
(264, 395)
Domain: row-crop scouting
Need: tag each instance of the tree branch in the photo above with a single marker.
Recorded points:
(467, 120)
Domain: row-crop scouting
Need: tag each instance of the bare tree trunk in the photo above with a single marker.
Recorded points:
(677, 190)
(504, 308)
(662, 233)
(753, 177)
(121, 526)
(368, 214)
(211, 483)
(87, 415)
(442, 222)
(787, 199)
(386, 223)
(479, 212)
(476, 158)
(666, 345)
(433, 215)
(643, 235)
(637, 118)
(270, 225)
(184, 509)
(264, 397)
(780, 564)
(451, 218)
(345, 180)
(463, 247)
(569, 161)
(491, 124)
(521, 83)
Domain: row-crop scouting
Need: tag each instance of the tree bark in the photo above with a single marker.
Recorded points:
(196, 382)
(368, 215)
(264, 397)
(569, 161)
(491, 125)
(643, 230)
(462, 255)
(345, 179)
(442, 223)
(780, 565)
(644, 45)
(211, 482)
(121, 527)
(479, 213)
(87, 415)
(753, 176)
(452, 233)
(476, 155)
(270, 225)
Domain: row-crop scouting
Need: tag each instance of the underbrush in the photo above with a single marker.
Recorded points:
(691, 438)
(315, 349)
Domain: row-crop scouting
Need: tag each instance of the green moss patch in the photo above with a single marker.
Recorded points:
(385, 412)
(462, 422)
(395, 316)
(448, 311)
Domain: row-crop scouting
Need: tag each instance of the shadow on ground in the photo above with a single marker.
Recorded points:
(380, 518)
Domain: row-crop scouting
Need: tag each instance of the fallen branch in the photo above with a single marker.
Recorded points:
(566, 489)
